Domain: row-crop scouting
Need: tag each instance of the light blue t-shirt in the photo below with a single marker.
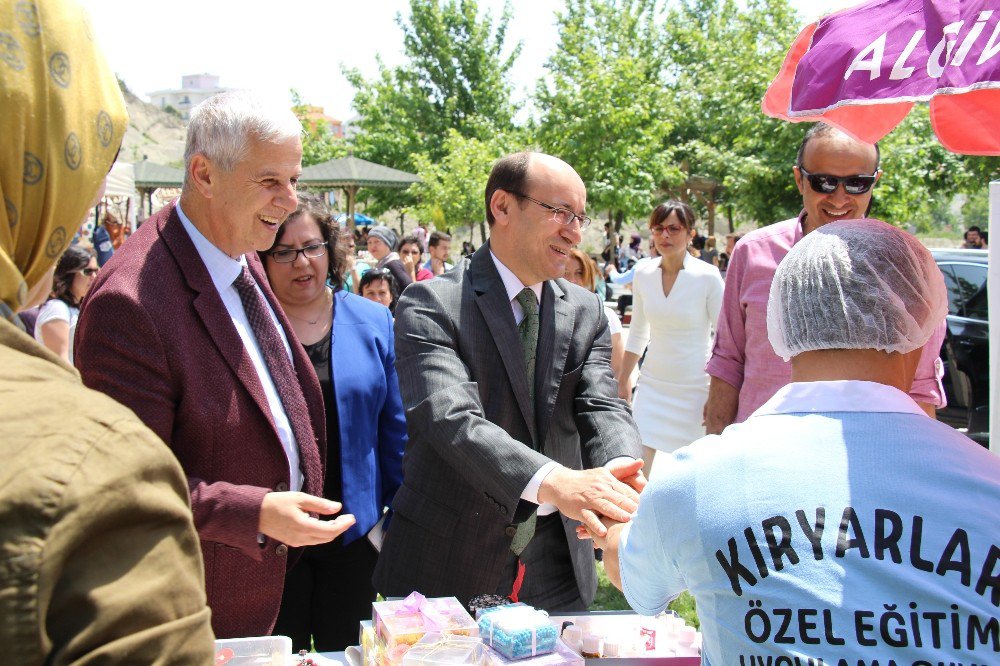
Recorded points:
(839, 523)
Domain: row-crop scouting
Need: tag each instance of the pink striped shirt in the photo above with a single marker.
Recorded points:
(742, 356)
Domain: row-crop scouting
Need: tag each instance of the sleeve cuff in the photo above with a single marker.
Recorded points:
(530, 492)
(725, 369)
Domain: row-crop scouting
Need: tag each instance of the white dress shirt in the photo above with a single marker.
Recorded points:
(224, 270)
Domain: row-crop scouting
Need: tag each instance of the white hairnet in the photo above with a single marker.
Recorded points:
(855, 284)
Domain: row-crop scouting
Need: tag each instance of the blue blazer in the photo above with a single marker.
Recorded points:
(369, 409)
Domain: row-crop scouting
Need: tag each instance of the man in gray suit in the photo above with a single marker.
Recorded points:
(516, 431)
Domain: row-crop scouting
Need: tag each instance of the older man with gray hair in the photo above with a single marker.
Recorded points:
(182, 327)
(837, 523)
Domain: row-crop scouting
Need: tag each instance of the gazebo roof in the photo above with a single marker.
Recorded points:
(356, 172)
(151, 175)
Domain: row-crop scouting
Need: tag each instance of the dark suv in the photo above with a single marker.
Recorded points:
(965, 351)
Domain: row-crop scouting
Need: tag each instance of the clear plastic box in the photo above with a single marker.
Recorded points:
(257, 651)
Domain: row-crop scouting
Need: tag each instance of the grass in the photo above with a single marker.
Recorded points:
(610, 598)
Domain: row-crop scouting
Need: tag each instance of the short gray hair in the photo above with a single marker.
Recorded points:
(220, 126)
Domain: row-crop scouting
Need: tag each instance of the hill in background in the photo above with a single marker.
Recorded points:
(152, 134)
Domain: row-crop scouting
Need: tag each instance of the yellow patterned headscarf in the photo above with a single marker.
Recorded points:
(62, 120)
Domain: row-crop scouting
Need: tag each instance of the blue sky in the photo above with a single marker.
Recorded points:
(297, 44)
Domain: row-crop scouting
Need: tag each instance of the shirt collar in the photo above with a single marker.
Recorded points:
(222, 268)
(511, 283)
(838, 396)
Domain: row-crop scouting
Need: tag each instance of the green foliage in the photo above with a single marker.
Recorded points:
(723, 55)
(318, 141)
(456, 78)
(603, 109)
(451, 189)
(920, 177)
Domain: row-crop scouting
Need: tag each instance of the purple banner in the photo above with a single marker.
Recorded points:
(899, 50)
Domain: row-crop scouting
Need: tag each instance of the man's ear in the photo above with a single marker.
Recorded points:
(201, 173)
(500, 204)
(798, 179)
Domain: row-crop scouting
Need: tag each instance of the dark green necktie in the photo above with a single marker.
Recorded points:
(528, 331)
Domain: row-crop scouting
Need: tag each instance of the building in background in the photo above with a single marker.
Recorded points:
(195, 88)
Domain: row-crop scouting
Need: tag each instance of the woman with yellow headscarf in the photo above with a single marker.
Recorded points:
(101, 559)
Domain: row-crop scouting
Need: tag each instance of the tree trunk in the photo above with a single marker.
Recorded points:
(619, 219)
(482, 232)
(710, 204)
(729, 217)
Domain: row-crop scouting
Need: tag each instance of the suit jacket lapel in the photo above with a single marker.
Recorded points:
(557, 319)
(212, 310)
(491, 297)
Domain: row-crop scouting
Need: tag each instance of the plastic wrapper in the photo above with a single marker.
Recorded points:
(517, 631)
(445, 649)
(560, 655)
(403, 623)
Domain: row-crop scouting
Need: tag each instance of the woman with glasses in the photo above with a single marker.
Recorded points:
(350, 343)
(56, 323)
(676, 305)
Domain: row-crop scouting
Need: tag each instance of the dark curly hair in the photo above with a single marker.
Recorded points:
(315, 207)
(73, 260)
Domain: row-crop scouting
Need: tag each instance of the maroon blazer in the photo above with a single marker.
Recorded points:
(154, 335)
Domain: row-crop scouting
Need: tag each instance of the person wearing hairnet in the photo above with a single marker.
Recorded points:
(837, 523)
(99, 559)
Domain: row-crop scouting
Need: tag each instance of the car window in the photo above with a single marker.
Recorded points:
(955, 300)
(971, 281)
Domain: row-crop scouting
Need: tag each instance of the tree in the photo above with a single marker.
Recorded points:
(456, 78)
(318, 141)
(723, 55)
(603, 110)
(451, 189)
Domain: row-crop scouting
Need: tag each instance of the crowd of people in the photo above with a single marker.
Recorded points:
(218, 433)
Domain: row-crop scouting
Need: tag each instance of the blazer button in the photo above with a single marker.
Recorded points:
(281, 487)
(510, 531)
(281, 550)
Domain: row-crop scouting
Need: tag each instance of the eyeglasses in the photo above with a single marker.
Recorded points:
(825, 183)
(290, 255)
(672, 229)
(89, 272)
(561, 215)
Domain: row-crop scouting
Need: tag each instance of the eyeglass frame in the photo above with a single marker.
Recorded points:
(841, 181)
(302, 250)
(666, 228)
(556, 210)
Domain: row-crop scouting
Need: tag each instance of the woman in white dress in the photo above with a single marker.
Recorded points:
(675, 309)
(56, 323)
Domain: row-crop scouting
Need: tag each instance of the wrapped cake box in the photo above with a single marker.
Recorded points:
(444, 650)
(517, 631)
(562, 655)
(405, 622)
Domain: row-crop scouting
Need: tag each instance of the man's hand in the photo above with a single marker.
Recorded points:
(630, 472)
(437, 266)
(583, 494)
(285, 517)
(722, 406)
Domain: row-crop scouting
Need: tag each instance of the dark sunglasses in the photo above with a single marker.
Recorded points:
(824, 183)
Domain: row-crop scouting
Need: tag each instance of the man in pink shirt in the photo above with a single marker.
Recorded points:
(835, 175)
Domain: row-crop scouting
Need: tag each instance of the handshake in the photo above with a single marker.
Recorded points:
(597, 497)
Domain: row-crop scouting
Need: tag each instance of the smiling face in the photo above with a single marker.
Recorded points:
(525, 237)
(248, 204)
(836, 155)
(303, 280)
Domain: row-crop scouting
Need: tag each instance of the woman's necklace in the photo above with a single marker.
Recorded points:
(320, 316)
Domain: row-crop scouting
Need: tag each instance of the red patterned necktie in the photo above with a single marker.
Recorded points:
(282, 373)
